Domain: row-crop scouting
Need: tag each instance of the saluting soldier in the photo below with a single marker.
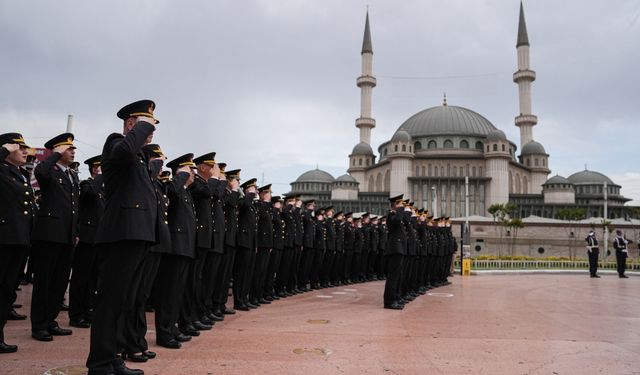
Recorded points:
(620, 245)
(349, 242)
(55, 234)
(358, 243)
(16, 221)
(382, 246)
(337, 276)
(85, 268)
(295, 280)
(319, 247)
(366, 246)
(127, 229)
(247, 228)
(264, 244)
(283, 280)
(373, 251)
(278, 247)
(215, 259)
(422, 251)
(330, 253)
(307, 255)
(395, 252)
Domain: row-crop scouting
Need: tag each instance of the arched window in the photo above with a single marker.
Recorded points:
(435, 170)
(448, 144)
(417, 171)
(535, 162)
(404, 148)
(495, 147)
(480, 171)
(488, 149)
(544, 163)
(441, 171)
(395, 148)
(479, 145)
(429, 171)
(455, 171)
(528, 162)
(385, 151)
(423, 171)
(503, 148)
(464, 144)
(354, 162)
(409, 148)
(432, 145)
(367, 162)
(473, 171)
(360, 162)
(417, 146)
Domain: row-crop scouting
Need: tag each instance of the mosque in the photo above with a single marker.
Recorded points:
(433, 153)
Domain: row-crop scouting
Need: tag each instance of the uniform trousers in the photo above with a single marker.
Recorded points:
(259, 276)
(337, 267)
(198, 282)
(52, 266)
(221, 284)
(272, 270)
(210, 273)
(120, 268)
(327, 266)
(348, 261)
(84, 279)
(621, 262)
(294, 274)
(11, 259)
(241, 275)
(306, 261)
(188, 309)
(283, 276)
(593, 261)
(394, 276)
(167, 294)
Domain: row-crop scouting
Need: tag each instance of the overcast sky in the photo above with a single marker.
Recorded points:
(270, 84)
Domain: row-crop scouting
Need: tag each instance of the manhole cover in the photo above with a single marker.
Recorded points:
(447, 295)
(67, 370)
(316, 351)
(318, 321)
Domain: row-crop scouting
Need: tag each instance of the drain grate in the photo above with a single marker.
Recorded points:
(314, 351)
(318, 321)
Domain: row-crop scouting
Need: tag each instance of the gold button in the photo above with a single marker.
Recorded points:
(26, 212)
(137, 206)
(26, 193)
(26, 203)
(166, 222)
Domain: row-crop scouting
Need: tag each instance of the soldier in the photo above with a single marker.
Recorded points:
(215, 259)
(337, 273)
(330, 253)
(55, 234)
(358, 243)
(422, 251)
(593, 251)
(395, 252)
(319, 248)
(366, 246)
(283, 279)
(382, 246)
(247, 228)
(278, 247)
(298, 243)
(620, 244)
(349, 242)
(373, 253)
(230, 206)
(127, 229)
(264, 242)
(307, 255)
(16, 217)
(85, 268)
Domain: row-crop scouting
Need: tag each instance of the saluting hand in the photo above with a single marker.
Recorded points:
(185, 168)
(11, 147)
(61, 149)
(150, 120)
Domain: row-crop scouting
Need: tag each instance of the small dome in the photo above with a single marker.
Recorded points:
(346, 178)
(587, 177)
(362, 149)
(401, 136)
(532, 148)
(315, 175)
(558, 180)
(496, 135)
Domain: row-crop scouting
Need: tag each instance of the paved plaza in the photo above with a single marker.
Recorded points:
(504, 324)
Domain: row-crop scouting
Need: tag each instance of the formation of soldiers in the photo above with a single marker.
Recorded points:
(134, 237)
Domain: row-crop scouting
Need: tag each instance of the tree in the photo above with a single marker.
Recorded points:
(513, 225)
(502, 214)
(572, 216)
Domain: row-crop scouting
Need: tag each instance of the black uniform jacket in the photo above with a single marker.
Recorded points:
(289, 226)
(265, 225)
(247, 223)
(16, 204)
(397, 238)
(231, 217)
(331, 233)
(182, 217)
(278, 229)
(383, 236)
(218, 188)
(320, 239)
(131, 209)
(340, 226)
(358, 241)
(349, 237)
(164, 235)
(57, 218)
(375, 238)
(309, 228)
(90, 208)
(297, 217)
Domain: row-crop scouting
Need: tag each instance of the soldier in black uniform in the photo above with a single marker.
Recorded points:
(319, 248)
(358, 243)
(16, 219)
(247, 230)
(395, 252)
(221, 285)
(330, 253)
(620, 245)
(382, 246)
(423, 240)
(306, 259)
(337, 271)
(373, 249)
(366, 247)
(283, 280)
(349, 242)
(593, 251)
(264, 243)
(55, 234)
(215, 259)
(85, 268)
(294, 280)
(278, 247)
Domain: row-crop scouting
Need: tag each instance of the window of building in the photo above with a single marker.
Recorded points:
(495, 147)
(442, 172)
(473, 171)
(368, 162)
(429, 170)
(464, 144)
(360, 161)
(535, 162)
(479, 145)
(417, 146)
(448, 143)
(395, 148)
(488, 149)
(480, 171)
(455, 171)
(385, 151)
(423, 171)
(432, 144)
(417, 171)
(544, 163)
(436, 171)
(528, 162)
(404, 148)
(503, 148)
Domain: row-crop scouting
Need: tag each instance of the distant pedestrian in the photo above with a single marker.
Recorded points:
(620, 244)
(593, 251)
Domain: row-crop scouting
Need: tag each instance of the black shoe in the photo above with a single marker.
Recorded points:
(274, 297)
(16, 305)
(228, 311)
(206, 320)
(254, 302)
(394, 306)
(180, 338)
(241, 308)
(251, 305)
(171, 343)
(189, 330)
(268, 300)
(57, 331)
(124, 370)
(80, 323)
(14, 315)
(595, 276)
(64, 307)
(149, 354)
(42, 335)
(6, 348)
(139, 358)
(201, 326)
(263, 301)
(623, 276)
(216, 317)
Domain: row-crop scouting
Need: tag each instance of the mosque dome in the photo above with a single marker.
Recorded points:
(315, 175)
(401, 136)
(532, 148)
(588, 177)
(362, 149)
(346, 178)
(558, 180)
(496, 135)
(447, 120)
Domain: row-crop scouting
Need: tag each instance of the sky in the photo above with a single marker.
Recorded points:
(270, 84)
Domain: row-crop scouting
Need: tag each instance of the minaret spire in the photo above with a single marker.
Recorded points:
(523, 77)
(366, 82)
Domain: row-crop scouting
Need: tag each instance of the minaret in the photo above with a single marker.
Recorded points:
(366, 82)
(523, 77)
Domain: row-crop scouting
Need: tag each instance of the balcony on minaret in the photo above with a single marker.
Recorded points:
(526, 120)
(366, 81)
(365, 122)
(524, 75)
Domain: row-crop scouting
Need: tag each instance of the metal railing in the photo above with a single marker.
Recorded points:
(484, 264)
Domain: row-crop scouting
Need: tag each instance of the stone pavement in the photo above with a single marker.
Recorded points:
(507, 324)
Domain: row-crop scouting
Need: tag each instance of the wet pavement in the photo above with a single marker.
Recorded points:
(504, 324)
